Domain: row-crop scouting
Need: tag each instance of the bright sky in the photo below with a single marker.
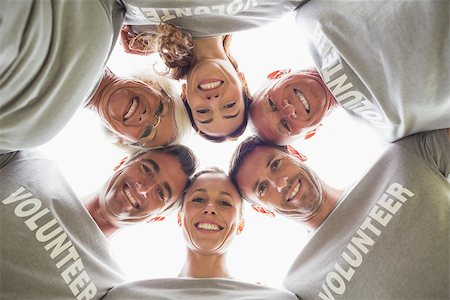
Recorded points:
(267, 247)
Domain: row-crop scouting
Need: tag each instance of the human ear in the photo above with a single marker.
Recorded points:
(277, 74)
(122, 161)
(262, 210)
(183, 92)
(156, 219)
(294, 152)
(240, 227)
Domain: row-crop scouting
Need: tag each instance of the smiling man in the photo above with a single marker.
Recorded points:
(53, 245)
(383, 69)
(366, 232)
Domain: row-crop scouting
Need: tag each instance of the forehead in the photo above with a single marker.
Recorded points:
(214, 182)
(221, 126)
(256, 164)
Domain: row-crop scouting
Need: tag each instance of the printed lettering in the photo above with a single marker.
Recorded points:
(73, 254)
(156, 16)
(346, 274)
(357, 257)
(54, 234)
(397, 190)
(72, 270)
(15, 196)
(335, 280)
(41, 234)
(58, 246)
(368, 225)
(88, 293)
(362, 240)
(327, 295)
(380, 216)
(22, 211)
(183, 12)
(336, 283)
(31, 222)
(80, 281)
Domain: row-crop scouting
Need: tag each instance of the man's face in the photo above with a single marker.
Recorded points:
(143, 188)
(129, 107)
(280, 182)
(289, 105)
(214, 93)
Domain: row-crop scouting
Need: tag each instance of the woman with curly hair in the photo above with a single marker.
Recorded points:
(215, 93)
(192, 38)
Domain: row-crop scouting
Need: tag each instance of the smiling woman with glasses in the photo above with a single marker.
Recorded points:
(143, 110)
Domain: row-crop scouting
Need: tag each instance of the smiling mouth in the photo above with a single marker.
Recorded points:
(210, 85)
(302, 99)
(208, 226)
(130, 197)
(294, 190)
(131, 108)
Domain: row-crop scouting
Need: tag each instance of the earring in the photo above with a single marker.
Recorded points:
(312, 132)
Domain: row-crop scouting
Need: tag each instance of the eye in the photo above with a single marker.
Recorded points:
(261, 189)
(147, 170)
(229, 105)
(198, 200)
(272, 105)
(160, 108)
(202, 111)
(225, 203)
(161, 193)
(146, 132)
(285, 125)
(275, 165)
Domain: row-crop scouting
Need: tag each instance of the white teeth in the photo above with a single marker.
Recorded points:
(210, 85)
(294, 191)
(208, 226)
(133, 201)
(132, 108)
(302, 98)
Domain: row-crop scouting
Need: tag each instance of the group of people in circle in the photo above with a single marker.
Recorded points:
(363, 73)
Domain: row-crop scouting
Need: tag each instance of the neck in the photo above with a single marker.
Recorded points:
(204, 266)
(92, 204)
(207, 48)
(330, 200)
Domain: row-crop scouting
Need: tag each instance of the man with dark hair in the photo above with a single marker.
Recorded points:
(53, 245)
(396, 215)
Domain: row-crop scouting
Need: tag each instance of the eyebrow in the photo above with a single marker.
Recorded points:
(231, 116)
(225, 193)
(255, 186)
(153, 163)
(206, 121)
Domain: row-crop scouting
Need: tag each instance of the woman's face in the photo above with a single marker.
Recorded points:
(210, 217)
(214, 93)
(139, 112)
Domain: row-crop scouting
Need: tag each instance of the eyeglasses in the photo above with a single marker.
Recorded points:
(149, 131)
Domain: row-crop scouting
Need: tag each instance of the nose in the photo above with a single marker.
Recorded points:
(287, 110)
(212, 96)
(279, 183)
(144, 187)
(209, 209)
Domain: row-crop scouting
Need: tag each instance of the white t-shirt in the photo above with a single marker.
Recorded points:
(198, 289)
(389, 236)
(386, 62)
(50, 246)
